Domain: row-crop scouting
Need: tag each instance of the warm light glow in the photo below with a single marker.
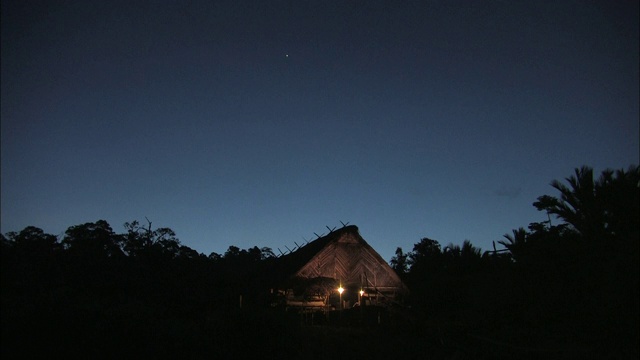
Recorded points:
(340, 290)
(361, 292)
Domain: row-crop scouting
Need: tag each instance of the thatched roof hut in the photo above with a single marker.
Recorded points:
(340, 259)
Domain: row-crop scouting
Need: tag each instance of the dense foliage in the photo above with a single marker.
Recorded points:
(568, 286)
(564, 288)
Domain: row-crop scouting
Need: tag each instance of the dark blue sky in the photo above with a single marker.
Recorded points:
(258, 123)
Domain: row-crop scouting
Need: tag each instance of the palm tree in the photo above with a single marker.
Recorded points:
(516, 242)
(596, 209)
(464, 257)
(468, 251)
(452, 251)
(578, 204)
(619, 193)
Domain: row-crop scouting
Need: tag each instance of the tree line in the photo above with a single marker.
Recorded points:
(566, 287)
(570, 283)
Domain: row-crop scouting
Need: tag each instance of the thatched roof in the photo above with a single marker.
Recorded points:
(345, 256)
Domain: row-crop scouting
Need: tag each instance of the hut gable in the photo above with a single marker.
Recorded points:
(312, 274)
(348, 258)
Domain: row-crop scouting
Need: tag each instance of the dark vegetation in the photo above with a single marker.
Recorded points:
(566, 288)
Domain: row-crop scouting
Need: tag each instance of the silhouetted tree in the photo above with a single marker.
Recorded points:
(596, 209)
(425, 275)
(30, 258)
(185, 252)
(232, 252)
(515, 242)
(138, 239)
(400, 262)
(466, 257)
(92, 240)
(620, 194)
(426, 254)
(581, 270)
(266, 253)
(161, 242)
(32, 241)
(471, 256)
(166, 241)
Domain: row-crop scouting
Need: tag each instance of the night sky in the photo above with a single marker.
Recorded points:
(258, 123)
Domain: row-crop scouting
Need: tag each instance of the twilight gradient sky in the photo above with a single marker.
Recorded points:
(258, 123)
